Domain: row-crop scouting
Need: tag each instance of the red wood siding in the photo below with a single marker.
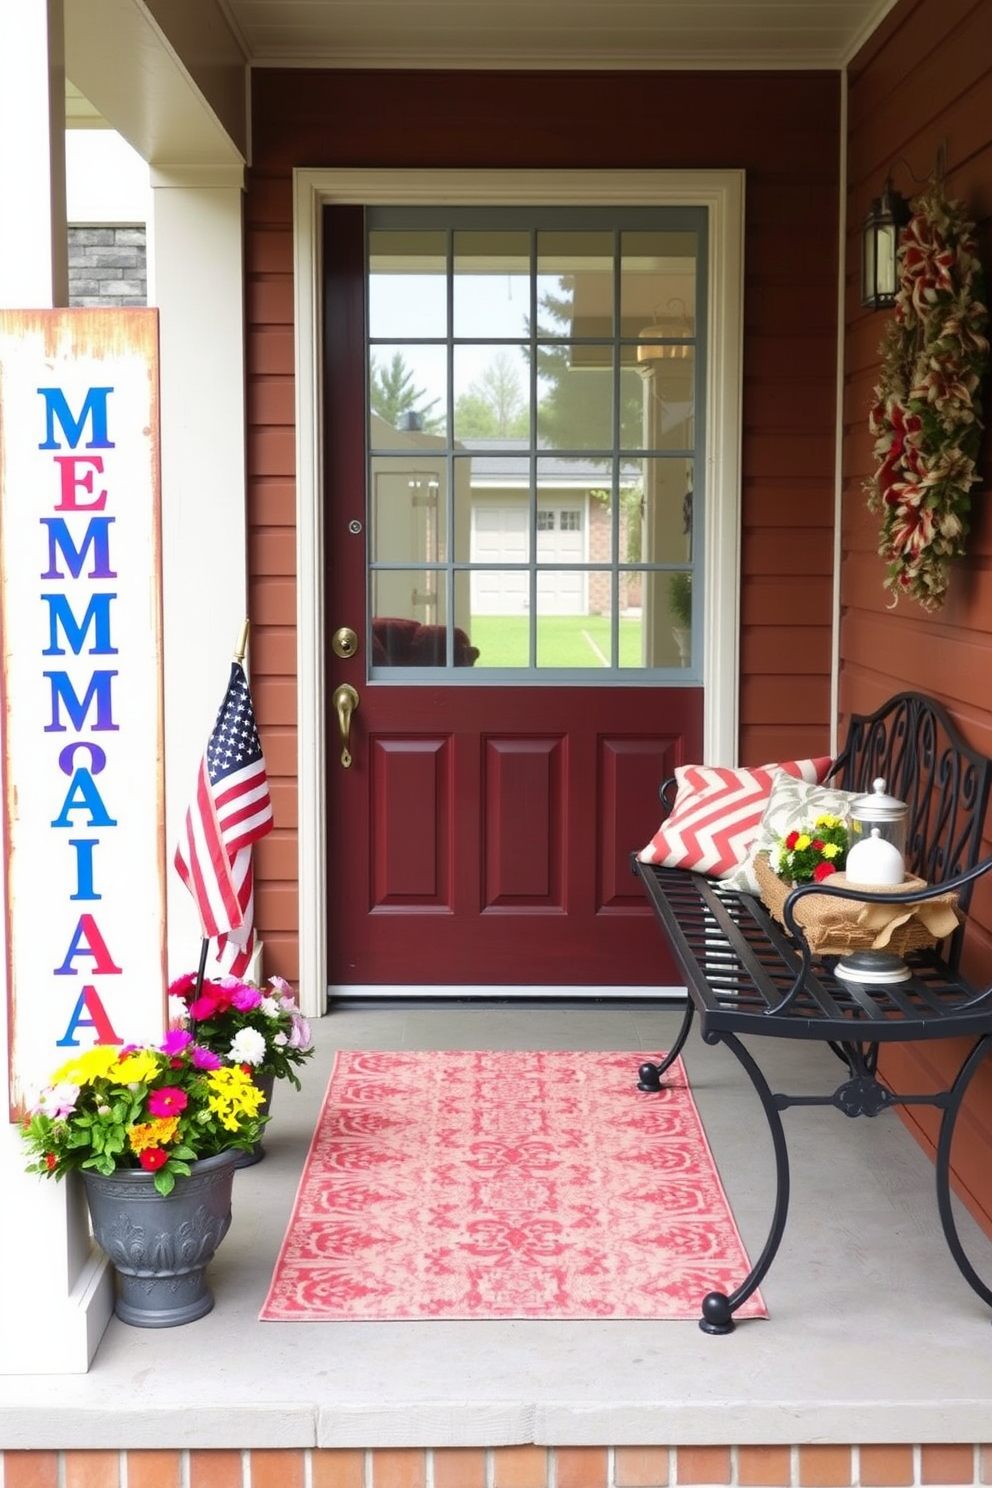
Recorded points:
(782, 129)
(924, 79)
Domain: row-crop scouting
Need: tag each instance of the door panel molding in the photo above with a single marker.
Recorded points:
(722, 193)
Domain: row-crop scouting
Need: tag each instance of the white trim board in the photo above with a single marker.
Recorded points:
(722, 194)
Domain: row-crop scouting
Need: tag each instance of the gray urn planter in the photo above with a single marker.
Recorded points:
(160, 1245)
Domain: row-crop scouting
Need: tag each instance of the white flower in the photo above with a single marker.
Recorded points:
(280, 1040)
(247, 1047)
(270, 1007)
(58, 1100)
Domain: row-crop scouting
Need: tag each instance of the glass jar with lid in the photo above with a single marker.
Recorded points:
(876, 809)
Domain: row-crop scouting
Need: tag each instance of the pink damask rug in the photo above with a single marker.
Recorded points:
(505, 1185)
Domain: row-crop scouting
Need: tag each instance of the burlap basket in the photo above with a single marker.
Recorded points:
(833, 927)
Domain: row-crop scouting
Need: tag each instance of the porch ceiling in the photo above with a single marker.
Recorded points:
(553, 33)
(182, 100)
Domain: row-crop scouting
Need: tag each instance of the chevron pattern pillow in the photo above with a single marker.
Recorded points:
(717, 812)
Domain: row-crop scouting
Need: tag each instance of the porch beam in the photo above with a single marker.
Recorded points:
(180, 98)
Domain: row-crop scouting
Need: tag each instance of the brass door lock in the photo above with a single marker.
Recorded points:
(344, 642)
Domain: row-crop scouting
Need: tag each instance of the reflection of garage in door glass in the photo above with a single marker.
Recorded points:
(567, 524)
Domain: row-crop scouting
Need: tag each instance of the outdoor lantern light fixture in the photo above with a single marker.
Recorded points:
(879, 244)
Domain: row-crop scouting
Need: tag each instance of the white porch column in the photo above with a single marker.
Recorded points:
(196, 278)
(33, 248)
(56, 1290)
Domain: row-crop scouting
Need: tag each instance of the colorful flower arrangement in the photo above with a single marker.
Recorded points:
(157, 1108)
(812, 853)
(927, 414)
(260, 1029)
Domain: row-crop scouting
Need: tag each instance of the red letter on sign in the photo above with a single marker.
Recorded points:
(71, 482)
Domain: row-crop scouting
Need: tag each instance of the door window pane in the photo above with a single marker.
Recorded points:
(576, 407)
(408, 511)
(408, 396)
(492, 394)
(658, 284)
(407, 284)
(575, 285)
(667, 376)
(534, 411)
(491, 284)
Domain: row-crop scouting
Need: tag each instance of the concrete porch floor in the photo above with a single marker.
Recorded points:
(873, 1334)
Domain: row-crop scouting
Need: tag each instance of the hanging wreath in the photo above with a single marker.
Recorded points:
(927, 417)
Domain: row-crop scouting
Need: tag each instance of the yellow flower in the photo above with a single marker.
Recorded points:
(91, 1064)
(135, 1069)
(830, 849)
(826, 820)
(233, 1095)
(802, 842)
(152, 1133)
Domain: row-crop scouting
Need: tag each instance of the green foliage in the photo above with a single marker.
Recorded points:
(680, 598)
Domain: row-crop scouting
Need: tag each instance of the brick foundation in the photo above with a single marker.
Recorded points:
(821, 1466)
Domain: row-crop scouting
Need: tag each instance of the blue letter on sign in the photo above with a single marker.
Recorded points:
(95, 408)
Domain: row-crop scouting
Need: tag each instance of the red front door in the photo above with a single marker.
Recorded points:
(509, 592)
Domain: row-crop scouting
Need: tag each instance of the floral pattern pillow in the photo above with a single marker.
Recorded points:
(792, 804)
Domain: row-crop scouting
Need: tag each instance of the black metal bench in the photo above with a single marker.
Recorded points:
(747, 975)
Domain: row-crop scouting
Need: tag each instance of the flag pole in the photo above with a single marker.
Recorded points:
(239, 654)
(204, 946)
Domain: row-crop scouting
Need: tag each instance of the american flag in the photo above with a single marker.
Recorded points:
(230, 810)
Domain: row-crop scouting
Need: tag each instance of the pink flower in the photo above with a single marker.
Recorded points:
(176, 1040)
(203, 1008)
(183, 985)
(204, 1059)
(246, 998)
(168, 1101)
(299, 1033)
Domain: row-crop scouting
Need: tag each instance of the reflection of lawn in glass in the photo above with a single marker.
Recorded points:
(562, 640)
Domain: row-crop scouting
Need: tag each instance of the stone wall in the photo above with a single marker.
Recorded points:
(107, 266)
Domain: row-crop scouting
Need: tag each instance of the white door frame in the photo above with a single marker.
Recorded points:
(722, 194)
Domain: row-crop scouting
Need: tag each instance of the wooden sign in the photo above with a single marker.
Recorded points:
(81, 623)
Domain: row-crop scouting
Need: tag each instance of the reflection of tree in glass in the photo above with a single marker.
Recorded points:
(576, 409)
(393, 394)
(494, 405)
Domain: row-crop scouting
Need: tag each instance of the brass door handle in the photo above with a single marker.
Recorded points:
(345, 703)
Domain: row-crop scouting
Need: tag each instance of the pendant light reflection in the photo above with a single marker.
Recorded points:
(674, 326)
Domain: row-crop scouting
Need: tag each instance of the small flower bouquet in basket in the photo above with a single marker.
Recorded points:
(153, 1108)
(811, 854)
(260, 1029)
